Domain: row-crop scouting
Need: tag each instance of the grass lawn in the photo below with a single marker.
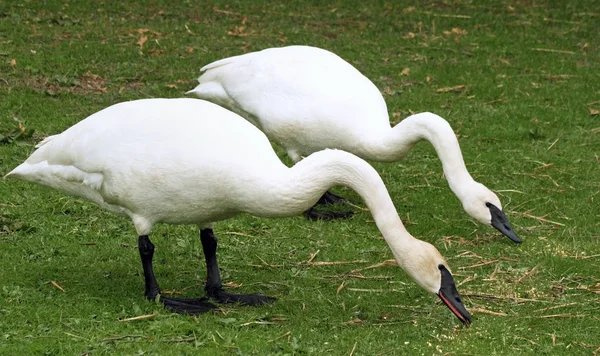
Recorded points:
(518, 82)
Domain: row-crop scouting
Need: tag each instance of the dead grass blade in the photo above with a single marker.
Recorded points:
(557, 306)
(117, 338)
(281, 337)
(485, 263)
(467, 280)
(265, 263)
(57, 286)
(331, 263)
(444, 15)
(373, 290)
(339, 289)
(528, 273)
(385, 263)
(553, 143)
(562, 316)
(501, 297)
(455, 89)
(258, 323)
(353, 348)
(225, 12)
(140, 317)
(537, 218)
(312, 256)
(485, 311)
(235, 233)
(552, 50)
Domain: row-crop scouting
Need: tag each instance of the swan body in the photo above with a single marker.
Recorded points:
(307, 99)
(188, 161)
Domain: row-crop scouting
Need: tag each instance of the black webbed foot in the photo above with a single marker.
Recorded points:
(313, 214)
(223, 297)
(188, 306)
(329, 199)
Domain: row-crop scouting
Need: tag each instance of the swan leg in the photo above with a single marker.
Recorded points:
(181, 306)
(214, 287)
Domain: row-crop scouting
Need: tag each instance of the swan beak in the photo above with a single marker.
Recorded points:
(449, 295)
(500, 222)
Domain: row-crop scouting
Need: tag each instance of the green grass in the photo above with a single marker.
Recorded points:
(530, 71)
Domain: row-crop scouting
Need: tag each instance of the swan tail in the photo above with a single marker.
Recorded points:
(67, 179)
(219, 63)
(211, 91)
(215, 93)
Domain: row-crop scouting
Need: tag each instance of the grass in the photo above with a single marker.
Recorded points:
(517, 81)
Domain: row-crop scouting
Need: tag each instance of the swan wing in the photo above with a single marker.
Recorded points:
(179, 152)
(297, 93)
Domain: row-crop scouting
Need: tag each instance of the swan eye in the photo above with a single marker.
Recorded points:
(441, 267)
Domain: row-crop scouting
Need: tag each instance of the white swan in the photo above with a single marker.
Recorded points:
(307, 99)
(188, 161)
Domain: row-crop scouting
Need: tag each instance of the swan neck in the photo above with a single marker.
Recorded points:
(439, 133)
(320, 171)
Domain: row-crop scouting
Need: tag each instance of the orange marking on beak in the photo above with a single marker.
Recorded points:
(452, 308)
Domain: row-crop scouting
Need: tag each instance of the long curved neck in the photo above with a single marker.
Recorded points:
(400, 139)
(302, 185)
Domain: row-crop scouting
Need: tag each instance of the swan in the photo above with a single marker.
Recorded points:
(307, 99)
(189, 161)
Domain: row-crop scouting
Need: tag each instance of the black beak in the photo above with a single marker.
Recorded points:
(449, 295)
(500, 222)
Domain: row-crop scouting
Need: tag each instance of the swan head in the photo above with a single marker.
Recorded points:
(428, 268)
(484, 206)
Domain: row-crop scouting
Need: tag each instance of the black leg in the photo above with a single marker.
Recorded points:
(182, 306)
(147, 253)
(214, 287)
